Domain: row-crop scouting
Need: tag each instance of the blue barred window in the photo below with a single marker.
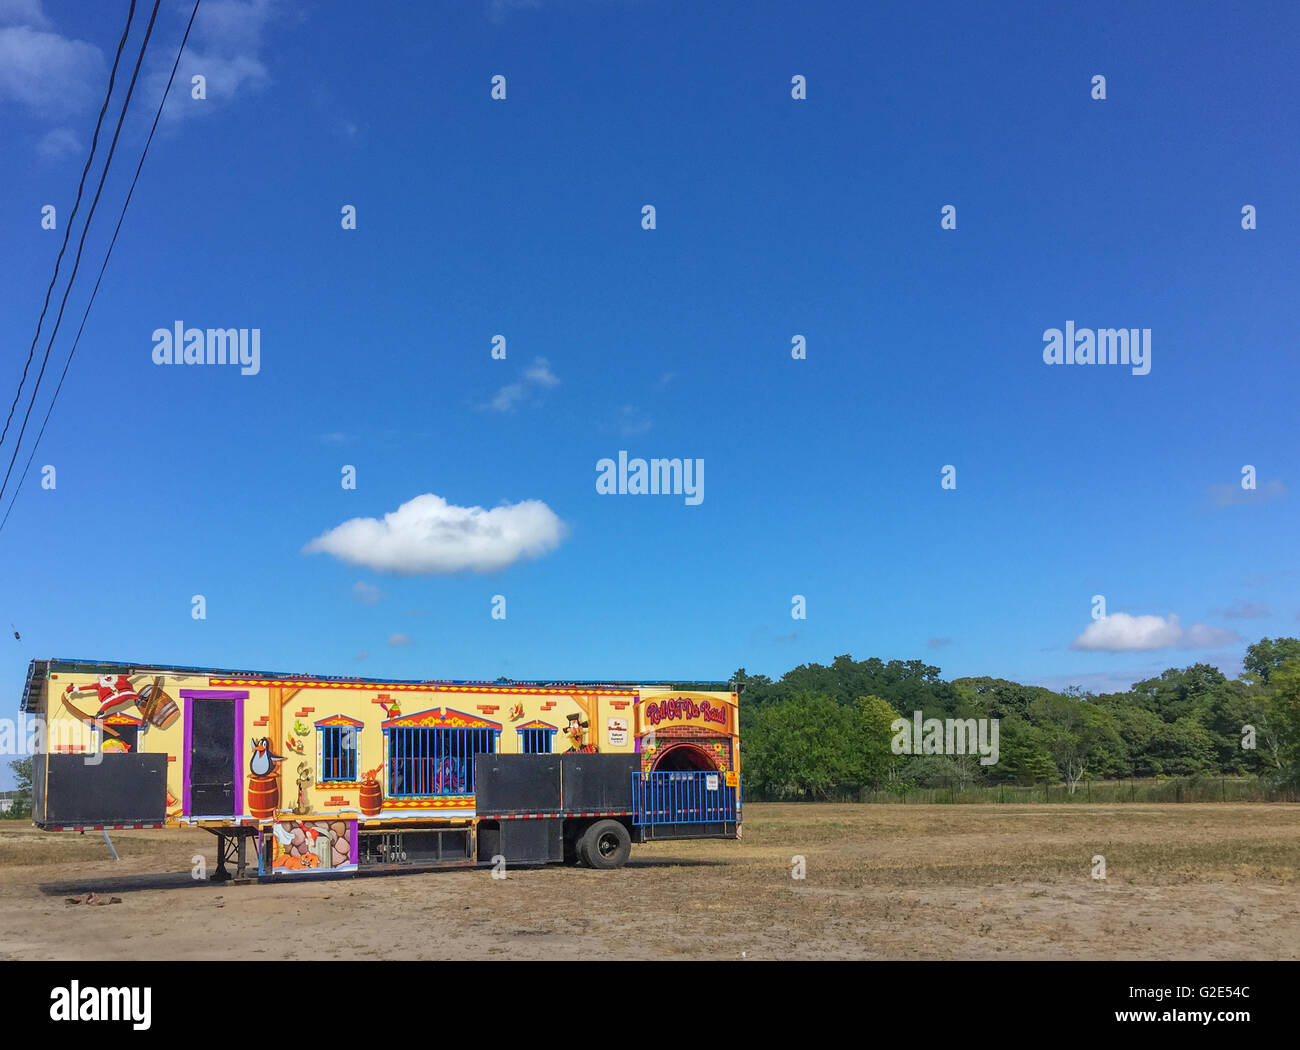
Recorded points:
(535, 741)
(338, 752)
(427, 761)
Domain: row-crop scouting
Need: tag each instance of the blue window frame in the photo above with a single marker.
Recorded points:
(535, 741)
(338, 752)
(430, 761)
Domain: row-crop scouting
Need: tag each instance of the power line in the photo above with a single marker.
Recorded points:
(107, 255)
(67, 229)
(81, 244)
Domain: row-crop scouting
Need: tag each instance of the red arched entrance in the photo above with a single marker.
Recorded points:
(679, 757)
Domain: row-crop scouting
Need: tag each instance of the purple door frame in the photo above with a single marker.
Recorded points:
(189, 696)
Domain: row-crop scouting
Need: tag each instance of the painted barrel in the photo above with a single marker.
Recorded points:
(157, 707)
(372, 798)
(263, 796)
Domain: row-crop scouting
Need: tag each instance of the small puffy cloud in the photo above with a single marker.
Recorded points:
(57, 144)
(508, 397)
(1120, 632)
(1246, 611)
(633, 422)
(1199, 636)
(225, 51)
(49, 73)
(938, 643)
(1226, 495)
(537, 376)
(400, 639)
(366, 593)
(427, 535)
(363, 655)
(539, 372)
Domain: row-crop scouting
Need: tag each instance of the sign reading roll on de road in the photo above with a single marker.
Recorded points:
(662, 710)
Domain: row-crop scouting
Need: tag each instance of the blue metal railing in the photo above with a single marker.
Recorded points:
(687, 797)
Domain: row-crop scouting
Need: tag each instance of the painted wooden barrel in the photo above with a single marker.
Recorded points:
(372, 798)
(157, 707)
(263, 796)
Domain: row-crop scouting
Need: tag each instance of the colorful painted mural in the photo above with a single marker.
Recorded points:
(308, 761)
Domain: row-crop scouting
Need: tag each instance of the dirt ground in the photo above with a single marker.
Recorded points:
(899, 882)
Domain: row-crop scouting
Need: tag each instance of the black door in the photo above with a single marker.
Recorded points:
(212, 758)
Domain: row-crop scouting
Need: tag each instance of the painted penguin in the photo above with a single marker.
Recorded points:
(263, 761)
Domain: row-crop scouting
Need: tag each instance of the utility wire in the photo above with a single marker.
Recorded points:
(67, 229)
(81, 244)
(107, 255)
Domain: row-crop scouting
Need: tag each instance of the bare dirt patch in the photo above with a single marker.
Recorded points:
(904, 882)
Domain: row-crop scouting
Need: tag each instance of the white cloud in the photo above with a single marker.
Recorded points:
(366, 593)
(363, 655)
(57, 144)
(225, 49)
(538, 376)
(539, 372)
(427, 535)
(49, 73)
(1120, 632)
(399, 639)
(1199, 636)
(507, 397)
(632, 421)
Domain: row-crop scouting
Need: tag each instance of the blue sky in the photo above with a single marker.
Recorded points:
(775, 217)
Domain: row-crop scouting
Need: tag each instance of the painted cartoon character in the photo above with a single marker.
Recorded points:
(114, 692)
(263, 762)
(576, 734)
(295, 837)
(303, 805)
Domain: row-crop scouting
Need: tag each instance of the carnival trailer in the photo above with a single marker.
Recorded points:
(326, 774)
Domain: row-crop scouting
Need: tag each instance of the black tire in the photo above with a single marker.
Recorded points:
(606, 845)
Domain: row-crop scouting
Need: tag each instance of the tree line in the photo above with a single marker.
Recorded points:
(827, 731)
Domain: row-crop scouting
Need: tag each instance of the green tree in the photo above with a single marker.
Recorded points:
(875, 734)
(1268, 655)
(1081, 736)
(1023, 755)
(807, 747)
(22, 770)
(1284, 716)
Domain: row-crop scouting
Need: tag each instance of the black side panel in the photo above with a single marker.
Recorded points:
(535, 841)
(38, 787)
(212, 758)
(508, 784)
(122, 789)
(489, 839)
(595, 783)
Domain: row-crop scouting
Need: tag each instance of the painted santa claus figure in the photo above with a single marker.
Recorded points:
(114, 692)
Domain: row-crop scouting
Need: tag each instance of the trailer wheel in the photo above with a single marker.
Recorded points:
(606, 844)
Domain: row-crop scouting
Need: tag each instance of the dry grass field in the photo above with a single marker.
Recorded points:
(902, 882)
